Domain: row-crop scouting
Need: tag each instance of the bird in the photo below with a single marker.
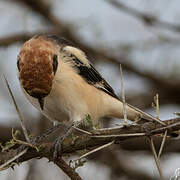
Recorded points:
(60, 81)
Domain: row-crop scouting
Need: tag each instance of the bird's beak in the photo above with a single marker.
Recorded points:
(41, 102)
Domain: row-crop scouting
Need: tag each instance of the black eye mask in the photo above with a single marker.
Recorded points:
(18, 65)
(55, 63)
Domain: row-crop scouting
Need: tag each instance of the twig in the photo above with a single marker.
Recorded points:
(95, 150)
(120, 135)
(81, 130)
(18, 112)
(157, 105)
(67, 169)
(162, 144)
(37, 140)
(3, 166)
(148, 115)
(167, 127)
(156, 158)
(165, 134)
(170, 125)
(111, 128)
(123, 96)
(18, 141)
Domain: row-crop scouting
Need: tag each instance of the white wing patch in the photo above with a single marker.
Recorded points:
(78, 53)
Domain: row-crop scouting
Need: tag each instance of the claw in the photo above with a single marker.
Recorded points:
(57, 147)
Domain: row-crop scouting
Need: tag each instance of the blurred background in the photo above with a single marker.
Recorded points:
(144, 36)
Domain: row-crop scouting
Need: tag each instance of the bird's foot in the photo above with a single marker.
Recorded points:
(57, 146)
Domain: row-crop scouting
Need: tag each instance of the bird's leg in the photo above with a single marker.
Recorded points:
(57, 147)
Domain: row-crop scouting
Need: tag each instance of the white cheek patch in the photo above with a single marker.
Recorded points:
(78, 53)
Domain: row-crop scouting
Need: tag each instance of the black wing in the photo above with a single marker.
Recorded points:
(92, 76)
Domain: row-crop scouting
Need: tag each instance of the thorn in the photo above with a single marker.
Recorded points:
(123, 96)
(156, 158)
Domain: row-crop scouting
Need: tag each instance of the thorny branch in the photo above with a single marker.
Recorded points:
(99, 137)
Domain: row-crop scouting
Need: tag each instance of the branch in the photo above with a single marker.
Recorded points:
(147, 19)
(66, 168)
(100, 137)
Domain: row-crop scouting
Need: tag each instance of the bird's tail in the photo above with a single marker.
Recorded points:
(147, 117)
(133, 114)
(114, 108)
(143, 115)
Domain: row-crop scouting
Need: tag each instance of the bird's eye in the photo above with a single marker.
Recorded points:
(55, 63)
(18, 65)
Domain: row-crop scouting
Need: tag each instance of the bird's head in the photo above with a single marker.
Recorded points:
(37, 64)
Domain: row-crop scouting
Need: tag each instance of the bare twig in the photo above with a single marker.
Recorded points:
(123, 96)
(81, 130)
(162, 144)
(165, 134)
(148, 115)
(18, 141)
(156, 98)
(95, 150)
(8, 162)
(168, 127)
(120, 135)
(156, 158)
(18, 112)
